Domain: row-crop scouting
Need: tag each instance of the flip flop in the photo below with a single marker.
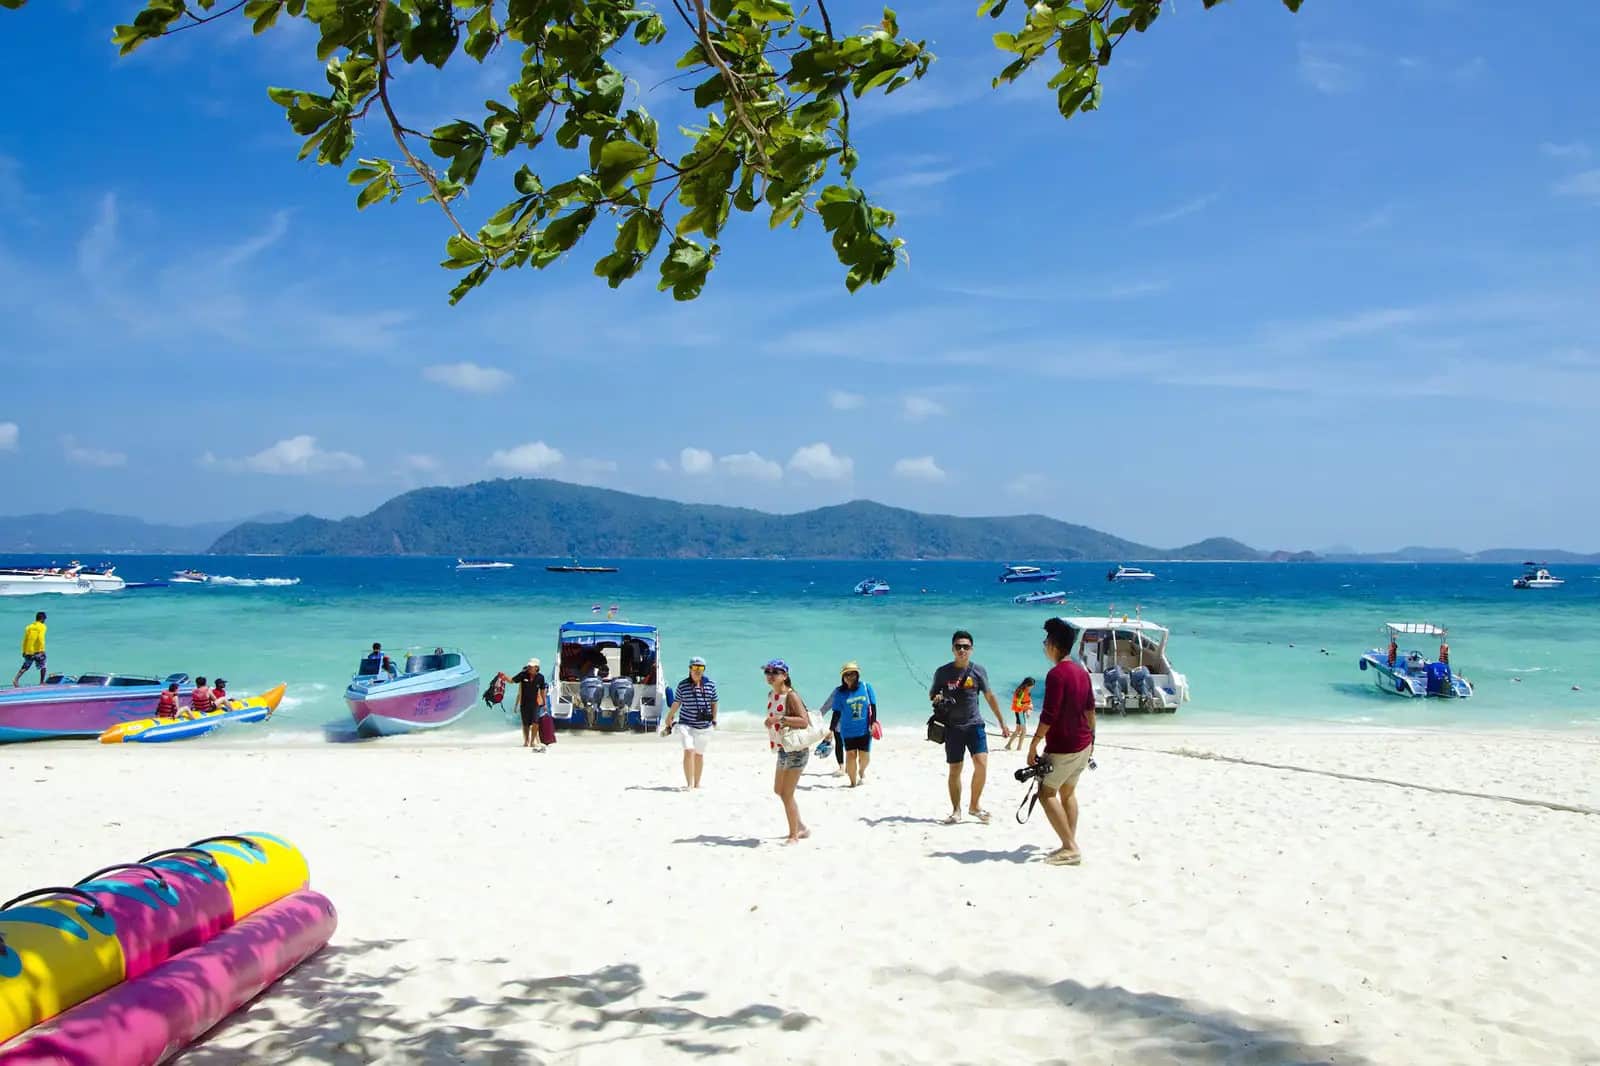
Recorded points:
(1063, 857)
(982, 816)
(954, 819)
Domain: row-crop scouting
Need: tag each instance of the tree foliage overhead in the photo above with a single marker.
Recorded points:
(773, 87)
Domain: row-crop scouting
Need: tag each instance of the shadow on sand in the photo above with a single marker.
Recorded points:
(1148, 1025)
(335, 1010)
(722, 842)
(1025, 853)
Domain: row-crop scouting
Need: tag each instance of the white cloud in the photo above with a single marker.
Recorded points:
(81, 456)
(922, 468)
(1320, 70)
(751, 465)
(251, 247)
(9, 435)
(420, 464)
(97, 245)
(916, 408)
(696, 461)
(661, 466)
(1584, 185)
(533, 458)
(846, 401)
(917, 179)
(1183, 210)
(1565, 150)
(467, 377)
(293, 455)
(818, 461)
(1026, 484)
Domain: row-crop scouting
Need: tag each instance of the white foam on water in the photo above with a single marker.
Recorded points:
(253, 582)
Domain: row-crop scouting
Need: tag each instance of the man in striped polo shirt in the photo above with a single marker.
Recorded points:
(696, 715)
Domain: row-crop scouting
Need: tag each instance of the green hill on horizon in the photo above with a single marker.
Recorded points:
(542, 517)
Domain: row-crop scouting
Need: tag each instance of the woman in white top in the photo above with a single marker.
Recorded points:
(786, 710)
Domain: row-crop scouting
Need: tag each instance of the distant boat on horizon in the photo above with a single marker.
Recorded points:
(575, 568)
(482, 564)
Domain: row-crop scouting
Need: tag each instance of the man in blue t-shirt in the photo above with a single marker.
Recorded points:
(695, 713)
(956, 688)
(855, 710)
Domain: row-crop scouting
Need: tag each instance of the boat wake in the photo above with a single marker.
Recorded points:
(253, 582)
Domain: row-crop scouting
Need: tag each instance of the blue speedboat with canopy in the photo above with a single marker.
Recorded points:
(608, 676)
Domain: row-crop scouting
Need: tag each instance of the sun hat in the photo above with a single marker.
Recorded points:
(534, 663)
(776, 664)
(851, 667)
(697, 661)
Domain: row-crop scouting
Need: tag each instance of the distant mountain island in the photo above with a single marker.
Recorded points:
(90, 532)
(541, 517)
(1498, 556)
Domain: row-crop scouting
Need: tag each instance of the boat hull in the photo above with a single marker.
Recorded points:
(396, 707)
(1397, 681)
(43, 584)
(49, 712)
(1022, 579)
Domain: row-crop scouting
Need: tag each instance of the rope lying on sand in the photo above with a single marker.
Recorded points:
(1190, 753)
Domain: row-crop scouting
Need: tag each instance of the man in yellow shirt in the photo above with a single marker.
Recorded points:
(32, 649)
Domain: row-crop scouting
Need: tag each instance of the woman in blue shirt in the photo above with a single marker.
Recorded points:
(855, 711)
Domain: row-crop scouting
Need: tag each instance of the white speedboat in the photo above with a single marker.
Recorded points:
(1410, 673)
(1014, 574)
(1537, 577)
(872, 586)
(24, 581)
(482, 564)
(189, 577)
(1127, 661)
(1130, 573)
(1056, 596)
(102, 578)
(608, 675)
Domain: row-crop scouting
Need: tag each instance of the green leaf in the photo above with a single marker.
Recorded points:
(765, 10)
(374, 191)
(618, 159)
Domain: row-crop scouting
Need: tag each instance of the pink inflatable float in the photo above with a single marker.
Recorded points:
(137, 960)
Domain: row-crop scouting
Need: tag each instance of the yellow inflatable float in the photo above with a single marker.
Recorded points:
(187, 725)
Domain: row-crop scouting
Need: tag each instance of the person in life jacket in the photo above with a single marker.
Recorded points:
(1444, 653)
(1394, 651)
(167, 705)
(201, 701)
(219, 694)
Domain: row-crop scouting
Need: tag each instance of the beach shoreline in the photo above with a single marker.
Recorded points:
(499, 905)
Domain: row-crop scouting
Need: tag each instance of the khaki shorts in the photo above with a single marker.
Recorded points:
(1065, 769)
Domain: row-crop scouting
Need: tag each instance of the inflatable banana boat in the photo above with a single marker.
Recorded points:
(160, 730)
(138, 959)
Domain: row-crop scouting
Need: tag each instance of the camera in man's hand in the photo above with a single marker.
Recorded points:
(1033, 770)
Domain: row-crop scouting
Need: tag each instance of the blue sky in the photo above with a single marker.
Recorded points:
(1303, 280)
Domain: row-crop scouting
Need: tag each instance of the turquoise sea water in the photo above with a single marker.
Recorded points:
(1249, 636)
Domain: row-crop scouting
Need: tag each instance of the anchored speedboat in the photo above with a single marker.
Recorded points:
(1129, 573)
(872, 586)
(1537, 577)
(1410, 673)
(1127, 662)
(1014, 574)
(434, 690)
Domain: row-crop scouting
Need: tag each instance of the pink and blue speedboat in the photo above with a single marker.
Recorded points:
(434, 690)
(82, 706)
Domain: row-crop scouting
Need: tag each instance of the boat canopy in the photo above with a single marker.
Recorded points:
(1080, 623)
(592, 632)
(1421, 629)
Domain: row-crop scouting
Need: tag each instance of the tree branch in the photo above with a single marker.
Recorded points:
(399, 131)
(735, 85)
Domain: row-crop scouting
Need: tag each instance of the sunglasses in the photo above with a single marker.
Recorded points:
(962, 647)
(773, 673)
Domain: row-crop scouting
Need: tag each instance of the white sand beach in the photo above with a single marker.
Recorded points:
(498, 906)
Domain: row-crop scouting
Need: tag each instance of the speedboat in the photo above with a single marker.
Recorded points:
(434, 690)
(153, 730)
(575, 567)
(872, 586)
(30, 581)
(1536, 577)
(482, 564)
(1040, 597)
(82, 706)
(1410, 673)
(102, 578)
(1128, 665)
(1028, 573)
(1129, 573)
(608, 676)
(190, 577)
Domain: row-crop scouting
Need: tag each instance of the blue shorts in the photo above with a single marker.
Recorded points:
(961, 739)
(35, 659)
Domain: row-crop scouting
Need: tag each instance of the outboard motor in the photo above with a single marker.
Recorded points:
(622, 699)
(1439, 680)
(591, 690)
(1116, 682)
(1144, 683)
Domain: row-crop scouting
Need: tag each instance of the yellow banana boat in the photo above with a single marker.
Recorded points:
(187, 725)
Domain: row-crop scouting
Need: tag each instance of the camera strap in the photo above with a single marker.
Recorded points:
(1029, 798)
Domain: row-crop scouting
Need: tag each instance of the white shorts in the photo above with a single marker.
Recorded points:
(695, 740)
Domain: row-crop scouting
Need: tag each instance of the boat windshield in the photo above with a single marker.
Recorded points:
(93, 679)
(128, 681)
(422, 664)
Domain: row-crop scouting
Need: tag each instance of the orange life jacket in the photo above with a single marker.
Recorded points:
(201, 701)
(167, 705)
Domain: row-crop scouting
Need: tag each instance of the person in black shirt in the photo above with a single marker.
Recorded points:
(531, 695)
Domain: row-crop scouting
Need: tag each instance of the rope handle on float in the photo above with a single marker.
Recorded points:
(58, 890)
(204, 856)
(162, 881)
(231, 839)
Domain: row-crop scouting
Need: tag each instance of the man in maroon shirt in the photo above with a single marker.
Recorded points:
(1066, 726)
